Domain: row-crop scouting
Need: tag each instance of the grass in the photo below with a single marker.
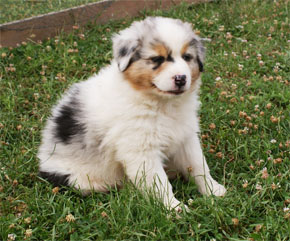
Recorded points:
(245, 134)
(19, 9)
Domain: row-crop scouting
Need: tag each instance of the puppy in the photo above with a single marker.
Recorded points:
(135, 118)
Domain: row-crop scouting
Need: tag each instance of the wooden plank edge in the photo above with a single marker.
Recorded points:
(49, 25)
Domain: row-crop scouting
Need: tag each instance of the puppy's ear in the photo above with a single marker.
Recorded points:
(125, 50)
(200, 49)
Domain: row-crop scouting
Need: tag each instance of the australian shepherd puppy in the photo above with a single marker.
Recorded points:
(137, 118)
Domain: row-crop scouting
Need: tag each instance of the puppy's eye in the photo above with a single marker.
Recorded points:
(187, 57)
(158, 59)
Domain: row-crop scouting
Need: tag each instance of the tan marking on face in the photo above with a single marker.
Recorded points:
(140, 75)
(161, 68)
(184, 48)
(161, 50)
(195, 74)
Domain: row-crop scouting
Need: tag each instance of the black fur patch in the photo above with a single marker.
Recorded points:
(54, 178)
(157, 60)
(134, 58)
(67, 124)
(200, 65)
(169, 58)
(187, 57)
(123, 51)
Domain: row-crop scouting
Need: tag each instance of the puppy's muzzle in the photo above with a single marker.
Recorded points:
(180, 80)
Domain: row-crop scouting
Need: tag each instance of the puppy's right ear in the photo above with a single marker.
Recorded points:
(125, 50)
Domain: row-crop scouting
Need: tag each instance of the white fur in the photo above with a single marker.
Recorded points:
(132, 134)
(165, 80)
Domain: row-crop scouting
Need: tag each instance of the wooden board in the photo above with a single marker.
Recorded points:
(49, 25)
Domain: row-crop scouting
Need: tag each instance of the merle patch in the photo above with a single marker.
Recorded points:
(200, 65)
(123, 51)
(67, 124)
(55, 178)
(134, 58)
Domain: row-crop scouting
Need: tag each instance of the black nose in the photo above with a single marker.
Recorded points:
(180, 80)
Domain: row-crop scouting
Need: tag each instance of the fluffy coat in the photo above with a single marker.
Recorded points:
(136, 118)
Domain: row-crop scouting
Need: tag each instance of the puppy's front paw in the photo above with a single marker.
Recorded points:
(174, 205)
(177, 206)
(209, 186)
(180, 207)
(218, 190)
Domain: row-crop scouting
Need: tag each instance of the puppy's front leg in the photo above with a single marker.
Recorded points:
(145, 170)
(191, 161)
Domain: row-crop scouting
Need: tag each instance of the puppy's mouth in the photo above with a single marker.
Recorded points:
(169, 92)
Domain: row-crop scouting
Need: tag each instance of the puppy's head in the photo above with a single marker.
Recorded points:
(159, 55)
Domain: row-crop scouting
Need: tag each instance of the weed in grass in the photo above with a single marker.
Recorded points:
(245, 134)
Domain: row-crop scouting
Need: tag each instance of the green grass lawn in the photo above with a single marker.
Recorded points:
(19, 9)
(245, 122)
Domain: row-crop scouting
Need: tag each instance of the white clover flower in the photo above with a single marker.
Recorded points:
(234, 86)
(70, 218)
(190, 201)
(11, 236)
(218, 78)
(286, 209)
(221, 28)
(28, 233)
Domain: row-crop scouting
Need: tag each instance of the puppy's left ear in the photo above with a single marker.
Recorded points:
(125, 50)
(197, 43)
